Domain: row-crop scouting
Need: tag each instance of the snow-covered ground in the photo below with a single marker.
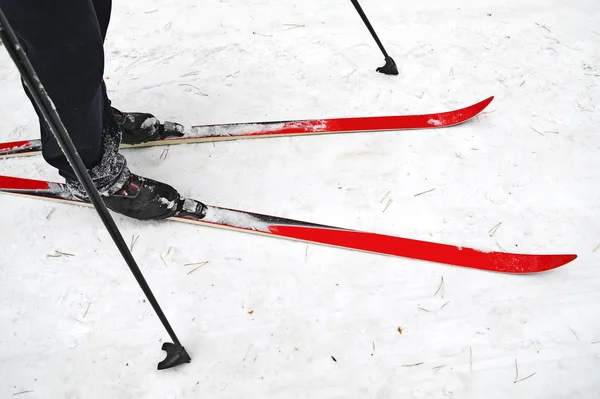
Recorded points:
(267, 318)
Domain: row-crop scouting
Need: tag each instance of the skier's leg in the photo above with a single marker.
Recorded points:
(64, 43)
(103, 9)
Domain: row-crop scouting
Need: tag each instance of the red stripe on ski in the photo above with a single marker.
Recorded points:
(423, 250)
(372, 123)
(8, 183)
(14, 145)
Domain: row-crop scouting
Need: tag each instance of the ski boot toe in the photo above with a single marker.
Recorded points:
(141, 127)
(137, 127)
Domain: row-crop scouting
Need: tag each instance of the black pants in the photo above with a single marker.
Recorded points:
(64, 42)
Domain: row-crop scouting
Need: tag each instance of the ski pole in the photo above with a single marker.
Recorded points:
(176, 353)
(390, 67)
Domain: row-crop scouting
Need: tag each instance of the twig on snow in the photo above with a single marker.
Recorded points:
(293, 26)
(196, 263)
(261, 34)
(51, 212)
(583, 109)
(384, 197)
(134, 239)
(517, 374)
(58, 254)
(494, 229)
(424, 192)
(350, 74)
(247, 353)
(199, 91)
(575, 334)
(163, 258)
(542, 26)
(21, 393)
(537, 131)
(388, 205)
(500, 246)
(190, 74)
(440, 287)
(200, 265)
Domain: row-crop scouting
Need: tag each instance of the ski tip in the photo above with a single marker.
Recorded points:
(480, 106)
(562, 260)
(527, 264)
(549, 262)
(456, 117)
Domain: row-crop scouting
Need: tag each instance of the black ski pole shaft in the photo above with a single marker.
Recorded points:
(390, 67)
(369, 26)
(176, 353)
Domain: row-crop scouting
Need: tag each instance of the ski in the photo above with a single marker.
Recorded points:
(273, 226)
(236, 131)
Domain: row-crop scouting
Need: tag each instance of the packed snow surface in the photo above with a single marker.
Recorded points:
(268, 318)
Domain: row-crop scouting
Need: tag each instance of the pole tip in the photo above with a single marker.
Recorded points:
(175, 356)
(389, 68)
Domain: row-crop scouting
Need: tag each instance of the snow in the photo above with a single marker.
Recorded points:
(148, 122)
(252, 128)
(264, 317)
(235, 130)
(235, 219)
(169, 204)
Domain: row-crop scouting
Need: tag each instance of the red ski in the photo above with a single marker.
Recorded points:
(314, 233)
(236, 131)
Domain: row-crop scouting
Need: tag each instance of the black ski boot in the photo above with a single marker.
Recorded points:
(138, 127)
(145, 199)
